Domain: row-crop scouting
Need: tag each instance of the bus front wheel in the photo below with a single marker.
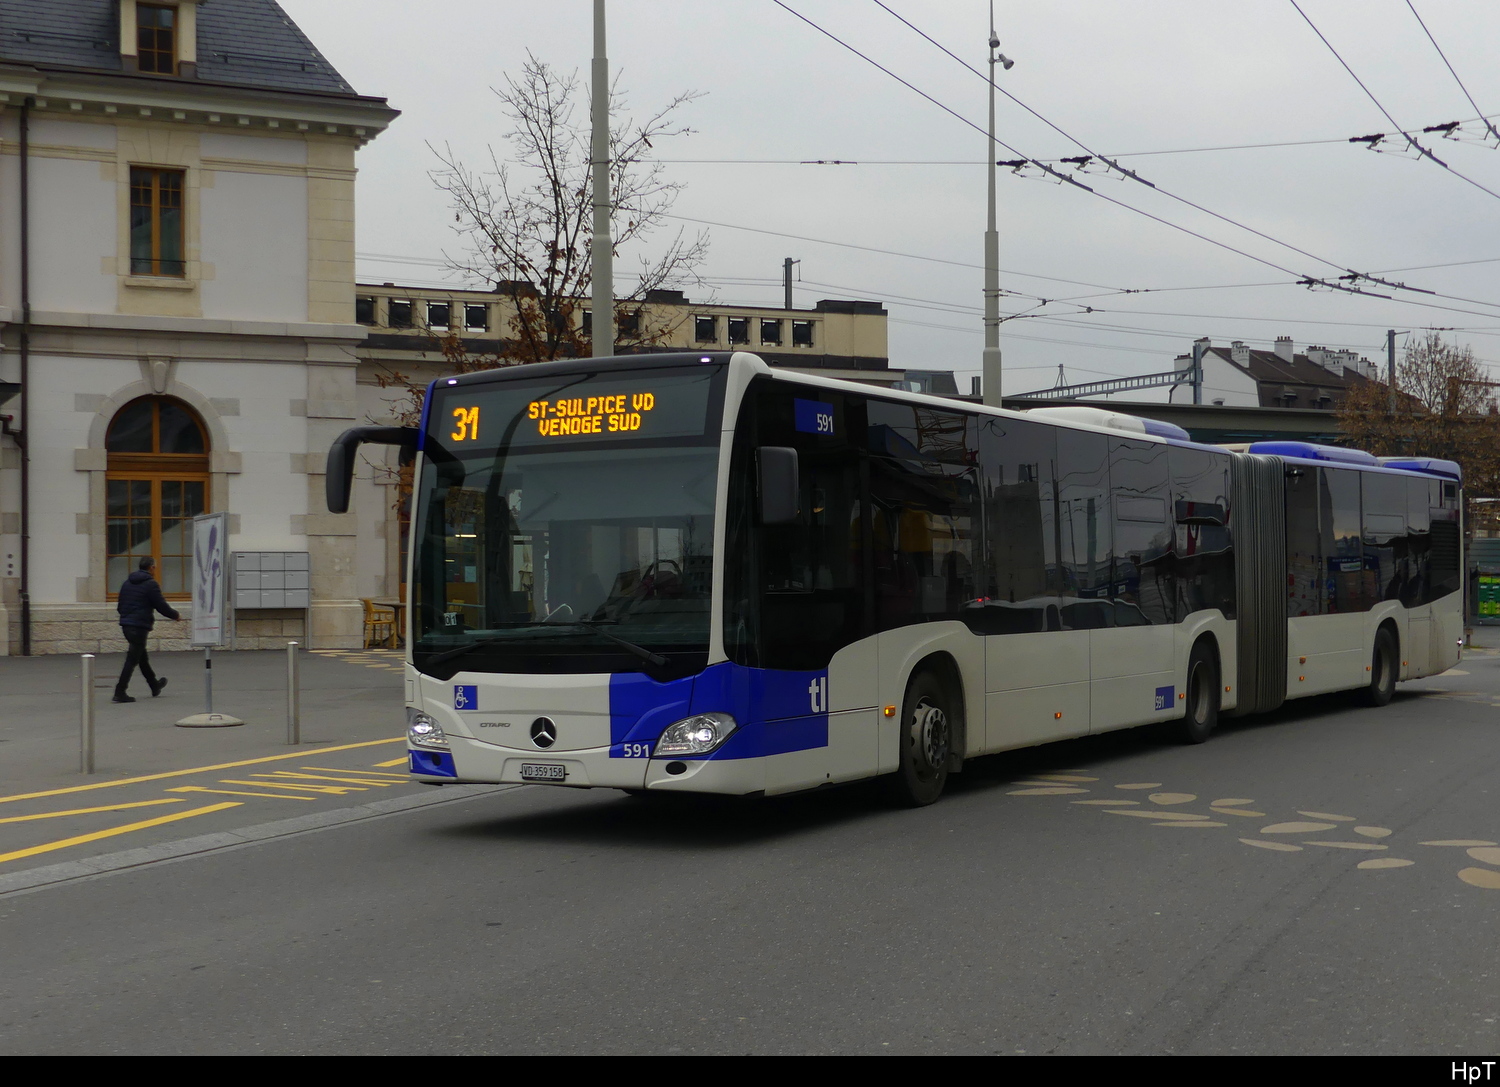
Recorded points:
(1202, 696)
(928, 714)
(1382, 670)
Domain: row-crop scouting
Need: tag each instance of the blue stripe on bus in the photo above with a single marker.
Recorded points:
(432, 764)
(777, 712)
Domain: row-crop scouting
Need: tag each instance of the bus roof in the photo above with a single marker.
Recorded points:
(1078, 417)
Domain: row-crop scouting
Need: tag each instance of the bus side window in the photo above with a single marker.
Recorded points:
(1306, 576)
(1418, 541)
(1017, 586)
(1142, 585)
(1203, 547)
(1085, 557)
(1387, 569)
(1445, 544)
(924, 492)
(1344, 563)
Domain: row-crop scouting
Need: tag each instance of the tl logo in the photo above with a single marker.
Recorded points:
(817, 694)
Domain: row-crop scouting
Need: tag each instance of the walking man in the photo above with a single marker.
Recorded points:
(140, 599)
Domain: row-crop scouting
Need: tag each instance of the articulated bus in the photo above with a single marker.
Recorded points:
(694, 573)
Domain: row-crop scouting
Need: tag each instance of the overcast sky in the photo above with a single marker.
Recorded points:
(1125, 78)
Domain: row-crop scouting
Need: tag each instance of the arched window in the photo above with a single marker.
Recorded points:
(156, 484)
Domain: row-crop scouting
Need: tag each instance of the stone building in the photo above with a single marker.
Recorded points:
(177, 327)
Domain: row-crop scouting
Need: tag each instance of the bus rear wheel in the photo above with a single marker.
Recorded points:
(928, 714)
(1382, 670)
(1202, 696)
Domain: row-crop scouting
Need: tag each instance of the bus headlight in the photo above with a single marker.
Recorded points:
(423, 731)
(696, 735)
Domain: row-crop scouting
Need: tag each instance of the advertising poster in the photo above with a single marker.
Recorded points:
(210, 568)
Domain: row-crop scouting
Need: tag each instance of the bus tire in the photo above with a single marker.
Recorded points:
(928, 715)
(1201, 713)
(1382, 670)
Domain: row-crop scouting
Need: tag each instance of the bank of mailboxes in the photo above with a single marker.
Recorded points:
(271, 579)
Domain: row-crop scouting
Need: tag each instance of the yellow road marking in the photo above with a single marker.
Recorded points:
(88, 811)
(362, 773)
(394, 762)
(235, 792)
(332, 790)
(325, 777)
(112, 831)
(197, 770)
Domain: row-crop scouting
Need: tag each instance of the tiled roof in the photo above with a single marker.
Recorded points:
(247, 42)
(80, 33)
(1273, 374)
(254, 42)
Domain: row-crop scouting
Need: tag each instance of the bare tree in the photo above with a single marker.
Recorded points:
(526, 224)
(527, 221)
(1445, 407)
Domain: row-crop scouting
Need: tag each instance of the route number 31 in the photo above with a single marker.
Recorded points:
(465, 424)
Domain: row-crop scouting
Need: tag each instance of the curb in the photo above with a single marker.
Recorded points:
(53, 874)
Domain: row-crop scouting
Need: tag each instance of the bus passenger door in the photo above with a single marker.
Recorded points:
(813, 606)
(1131, 645)
(1039, 488)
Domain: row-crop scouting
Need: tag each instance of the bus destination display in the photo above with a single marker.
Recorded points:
(616, 414)
(573, 409)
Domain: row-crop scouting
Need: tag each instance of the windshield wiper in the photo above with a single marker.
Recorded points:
(639, 650)
(588, 624)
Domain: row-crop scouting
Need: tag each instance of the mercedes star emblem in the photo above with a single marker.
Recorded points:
(543, 732)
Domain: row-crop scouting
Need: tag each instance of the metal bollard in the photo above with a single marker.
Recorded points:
(293, 696)
(86, 716)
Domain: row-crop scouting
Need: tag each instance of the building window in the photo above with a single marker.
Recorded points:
(770, 332)
(437, 315)
(156, 38)
(364, 310)
(156, 483)
(739, 330)
(156, 234)
(398, 313)
(476, 318)
(630, 323)
(706, 329)
(802, 333)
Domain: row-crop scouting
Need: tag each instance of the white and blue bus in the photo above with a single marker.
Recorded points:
(693, 573)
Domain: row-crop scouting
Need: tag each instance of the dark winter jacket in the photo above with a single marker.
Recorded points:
(140, 596)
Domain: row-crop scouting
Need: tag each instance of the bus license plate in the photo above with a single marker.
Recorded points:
(543, 771)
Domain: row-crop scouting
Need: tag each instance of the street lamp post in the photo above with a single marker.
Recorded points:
(990, 365)
(602, 332)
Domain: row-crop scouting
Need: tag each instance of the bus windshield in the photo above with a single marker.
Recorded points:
(567, 525)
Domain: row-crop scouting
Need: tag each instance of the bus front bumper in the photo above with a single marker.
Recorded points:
(472, 762)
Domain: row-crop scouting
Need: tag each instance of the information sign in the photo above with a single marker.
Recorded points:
(210, 540)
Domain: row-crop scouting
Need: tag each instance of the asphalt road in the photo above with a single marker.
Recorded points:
(1244, 896)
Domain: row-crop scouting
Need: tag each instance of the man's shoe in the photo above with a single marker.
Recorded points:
(121, 696)
(156, 687)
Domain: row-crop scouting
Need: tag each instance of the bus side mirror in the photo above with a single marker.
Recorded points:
(339, 482)
(779, 489)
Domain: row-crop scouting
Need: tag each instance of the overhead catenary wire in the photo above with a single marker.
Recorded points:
(1342, 141)
(1302, 279)
(1492, 130)
(1055, 173)
(1353, 277)
(1411, 140)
